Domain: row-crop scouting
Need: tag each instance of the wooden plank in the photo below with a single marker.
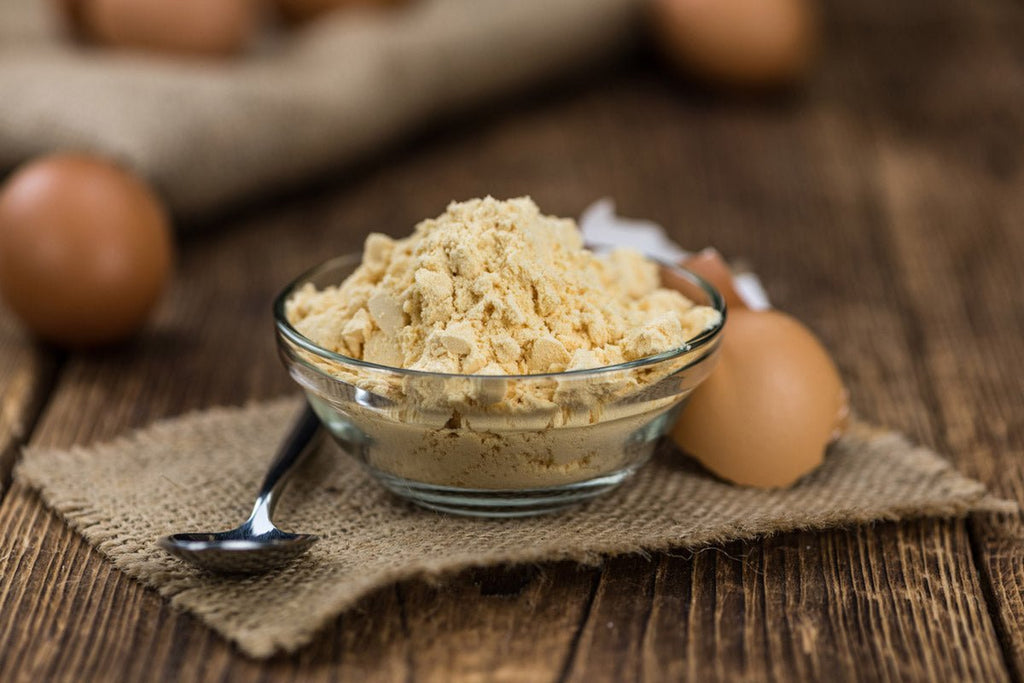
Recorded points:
(26, 373)
(514, 624)
(798, 607)
(950, 177)
(961, 252)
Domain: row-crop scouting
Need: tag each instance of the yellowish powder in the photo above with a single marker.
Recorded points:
(496, 288)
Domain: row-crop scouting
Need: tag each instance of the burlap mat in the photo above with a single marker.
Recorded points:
(201, 470)
(214, 132)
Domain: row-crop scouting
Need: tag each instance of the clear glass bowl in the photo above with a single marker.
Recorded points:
(497, 446)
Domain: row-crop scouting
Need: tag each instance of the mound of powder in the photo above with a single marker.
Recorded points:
(496, 288)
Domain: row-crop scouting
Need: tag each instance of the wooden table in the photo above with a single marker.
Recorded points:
(884, 206)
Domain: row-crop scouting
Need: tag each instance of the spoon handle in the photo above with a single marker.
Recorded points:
(292, 449)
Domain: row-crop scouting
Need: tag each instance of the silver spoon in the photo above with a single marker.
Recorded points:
(257, 545)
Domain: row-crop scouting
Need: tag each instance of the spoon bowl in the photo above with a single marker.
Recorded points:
(229, 552)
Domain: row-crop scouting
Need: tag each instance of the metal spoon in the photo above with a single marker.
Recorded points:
(257, 545)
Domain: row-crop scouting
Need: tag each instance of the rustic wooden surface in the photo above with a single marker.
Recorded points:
(884, 206)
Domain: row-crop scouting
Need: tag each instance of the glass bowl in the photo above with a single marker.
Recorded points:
(497, 446)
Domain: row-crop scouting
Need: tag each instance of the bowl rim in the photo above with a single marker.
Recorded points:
(707, 338)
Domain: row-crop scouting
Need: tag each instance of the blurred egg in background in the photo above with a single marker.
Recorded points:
(186, 27)
(85, 249)
(306, 10)
(739, 43)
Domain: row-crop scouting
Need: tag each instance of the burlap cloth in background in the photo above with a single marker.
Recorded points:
(212, 132)
(201, 470)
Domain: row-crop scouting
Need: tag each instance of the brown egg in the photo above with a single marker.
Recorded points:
(304, 10)
(197, 27)
(769, 409)
(744, 43)
(85, 249)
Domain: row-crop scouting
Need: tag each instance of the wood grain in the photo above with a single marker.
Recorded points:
(961, 296)
(798, 607)
(26, 373)
(880, 207)
(506, 625)
(950, 171)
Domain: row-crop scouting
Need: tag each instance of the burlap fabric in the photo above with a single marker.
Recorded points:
(213, 132)
(201, 470)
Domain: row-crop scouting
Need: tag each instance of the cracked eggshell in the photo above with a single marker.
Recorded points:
(769, 410)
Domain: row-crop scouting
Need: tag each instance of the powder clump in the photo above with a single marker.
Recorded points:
(497, 288)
